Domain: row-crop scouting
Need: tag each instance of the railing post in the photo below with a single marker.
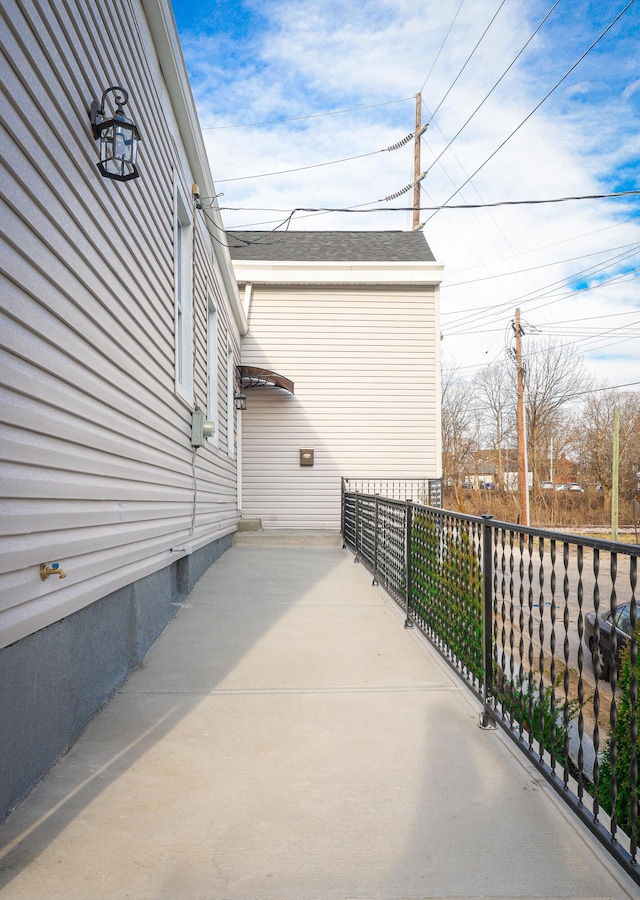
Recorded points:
(342, 511)
(487, 720)
(408, 623)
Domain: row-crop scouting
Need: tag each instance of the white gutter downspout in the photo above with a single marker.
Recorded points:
(247, 299)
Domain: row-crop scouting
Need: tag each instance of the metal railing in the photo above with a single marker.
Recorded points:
(420, 490)
(524, 616)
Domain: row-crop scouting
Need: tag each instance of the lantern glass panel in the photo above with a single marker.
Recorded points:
(118, 150)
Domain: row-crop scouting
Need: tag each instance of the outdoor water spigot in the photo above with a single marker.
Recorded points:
(53, 569)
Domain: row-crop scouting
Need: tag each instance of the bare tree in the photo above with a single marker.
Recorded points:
(594, 439)
(554, 375)
(495, 386)
(458, 425)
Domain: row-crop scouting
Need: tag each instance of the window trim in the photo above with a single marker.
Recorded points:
(213, 375)
(183, 294)
(231, 406)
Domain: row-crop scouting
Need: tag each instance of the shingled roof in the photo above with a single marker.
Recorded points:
(330, 246)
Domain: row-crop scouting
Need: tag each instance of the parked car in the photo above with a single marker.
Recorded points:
(570, 486)
(603, 651)
(546, 485)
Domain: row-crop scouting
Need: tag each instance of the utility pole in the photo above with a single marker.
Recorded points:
(615, 474)
(416, 163)
(523, 483)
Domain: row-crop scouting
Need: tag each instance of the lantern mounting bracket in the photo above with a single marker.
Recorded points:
(121, 98)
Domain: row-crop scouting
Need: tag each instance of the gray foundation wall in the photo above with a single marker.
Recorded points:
(53, 682)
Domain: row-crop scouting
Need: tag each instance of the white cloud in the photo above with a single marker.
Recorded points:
(631, 89)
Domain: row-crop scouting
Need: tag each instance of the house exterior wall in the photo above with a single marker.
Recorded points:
(97, 467)
(366, 367)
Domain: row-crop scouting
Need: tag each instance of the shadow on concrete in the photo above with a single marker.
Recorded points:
(229, 611)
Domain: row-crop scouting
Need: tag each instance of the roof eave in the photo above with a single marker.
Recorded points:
(325, 272)
(167, 43)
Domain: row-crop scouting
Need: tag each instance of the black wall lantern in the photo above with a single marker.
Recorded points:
(241, 400)
(118, 137)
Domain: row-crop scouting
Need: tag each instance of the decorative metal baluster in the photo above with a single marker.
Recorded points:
(613, 709)
(385, 545)
(541, 686)
(566, 684)
(466, 604)
(552, 650)
(565, 619)
(512, 662)
(530, 685)
(408, 561)
(498, 537)
(479, 570)
(596, 692)
(502, 658)
(488, 689)
(357, 528)
(376, 528)
(521, 671)
(580, 670)
(633, 699)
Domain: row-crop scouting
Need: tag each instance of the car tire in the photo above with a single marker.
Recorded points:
(597, 654)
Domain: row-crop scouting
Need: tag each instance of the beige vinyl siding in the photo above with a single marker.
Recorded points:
(96, 460)
(365, 364)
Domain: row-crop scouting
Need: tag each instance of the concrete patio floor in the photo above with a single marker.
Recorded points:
(287, 738)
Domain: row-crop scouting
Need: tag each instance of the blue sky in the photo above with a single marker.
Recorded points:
(273, 60)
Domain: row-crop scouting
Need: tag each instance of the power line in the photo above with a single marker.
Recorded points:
(580, 275)
(501, 308)
(298, 169)
(358, 208)
(484, 100)
(446, 37)
(611, 387)
(538, 105)
(259, 240)
(558, 262)
(592, 335)
(491, 216)
(332, 112)
(545, 330)
(480, 315)
(629, 312)
(548, 246)
(396, 146)
(468, 59)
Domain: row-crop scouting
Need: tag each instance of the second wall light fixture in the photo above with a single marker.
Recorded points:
(118, 137)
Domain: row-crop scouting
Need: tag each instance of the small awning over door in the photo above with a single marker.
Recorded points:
(254, 376)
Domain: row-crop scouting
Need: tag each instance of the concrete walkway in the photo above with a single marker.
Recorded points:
(287, 738)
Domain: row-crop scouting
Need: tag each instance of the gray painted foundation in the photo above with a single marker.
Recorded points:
(52, 682)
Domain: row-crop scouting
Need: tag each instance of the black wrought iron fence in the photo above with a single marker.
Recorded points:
(420, 490)
(541, 626)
